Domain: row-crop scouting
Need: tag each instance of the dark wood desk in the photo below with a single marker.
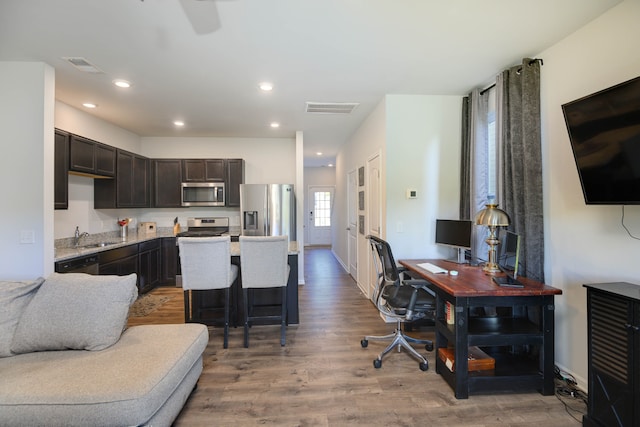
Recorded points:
(503, 337)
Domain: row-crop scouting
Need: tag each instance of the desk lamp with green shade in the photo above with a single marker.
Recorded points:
(492, 218)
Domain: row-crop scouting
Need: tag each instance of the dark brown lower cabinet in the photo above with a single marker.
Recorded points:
(149, 265)
(169, 255)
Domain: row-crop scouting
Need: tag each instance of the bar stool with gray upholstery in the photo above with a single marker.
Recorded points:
(263, 264)
(206, 264)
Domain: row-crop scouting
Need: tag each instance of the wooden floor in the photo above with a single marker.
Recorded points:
(323, 377)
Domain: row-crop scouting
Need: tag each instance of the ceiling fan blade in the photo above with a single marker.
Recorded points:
(202, 14)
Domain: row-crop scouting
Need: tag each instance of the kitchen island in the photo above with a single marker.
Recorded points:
(208, 305)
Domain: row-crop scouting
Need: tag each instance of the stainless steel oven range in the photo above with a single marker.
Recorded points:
(201, 227)
(206, 227)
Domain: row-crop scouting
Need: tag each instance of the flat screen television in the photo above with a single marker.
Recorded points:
(454, 233)
(604, 129)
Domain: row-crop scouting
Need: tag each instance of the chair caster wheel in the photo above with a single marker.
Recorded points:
(377, 363)
(429, 347)
(364, 343)
(424, 366)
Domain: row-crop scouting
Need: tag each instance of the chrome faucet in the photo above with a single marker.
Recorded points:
(79, 235)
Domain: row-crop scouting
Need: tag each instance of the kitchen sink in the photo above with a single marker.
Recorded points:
(97, 245)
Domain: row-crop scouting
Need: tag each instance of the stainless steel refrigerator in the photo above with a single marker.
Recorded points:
(268, 210)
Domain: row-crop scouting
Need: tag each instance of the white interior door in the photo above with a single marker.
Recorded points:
(352, 224)
(320, 215)
(374, 211)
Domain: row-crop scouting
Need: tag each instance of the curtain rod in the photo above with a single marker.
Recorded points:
(534, 60)
(487, 89)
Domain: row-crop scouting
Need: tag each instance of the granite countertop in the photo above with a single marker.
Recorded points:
(63, 252)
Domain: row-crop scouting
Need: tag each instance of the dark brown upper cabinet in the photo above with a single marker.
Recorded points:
(61, 170)
(166, 177)
(91, 158)
(235, 177)
(130, 189)
(203, 170)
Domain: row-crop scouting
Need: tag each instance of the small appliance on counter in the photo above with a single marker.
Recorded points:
(147, 228)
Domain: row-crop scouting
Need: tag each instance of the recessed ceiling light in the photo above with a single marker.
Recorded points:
(275, 125)
(330, 165)
(90, 105)
(266, 86)
(178, 123)
(122, 83)
(318, 153)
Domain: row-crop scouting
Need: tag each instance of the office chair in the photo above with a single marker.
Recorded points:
(400, 299)
(264, 264)
(206, 265)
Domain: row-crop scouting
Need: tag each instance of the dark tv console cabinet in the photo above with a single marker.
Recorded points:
(613, 318)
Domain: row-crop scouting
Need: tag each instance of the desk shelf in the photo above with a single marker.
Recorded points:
(502, 337)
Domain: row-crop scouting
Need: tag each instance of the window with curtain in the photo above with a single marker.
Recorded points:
(501, 159)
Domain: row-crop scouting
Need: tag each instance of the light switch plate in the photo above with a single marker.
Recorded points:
(27, 237)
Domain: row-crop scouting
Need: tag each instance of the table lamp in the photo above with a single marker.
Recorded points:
(492, 217)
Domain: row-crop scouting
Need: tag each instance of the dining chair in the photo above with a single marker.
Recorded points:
(206, 265)
(263, 264)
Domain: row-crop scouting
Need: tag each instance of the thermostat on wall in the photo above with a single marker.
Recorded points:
(412, 194)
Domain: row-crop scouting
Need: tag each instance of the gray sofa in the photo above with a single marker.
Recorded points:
(65, 360)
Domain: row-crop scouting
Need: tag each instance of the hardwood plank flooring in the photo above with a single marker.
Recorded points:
(323, 377)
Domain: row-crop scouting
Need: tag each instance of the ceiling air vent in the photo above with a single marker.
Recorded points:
(331, 107)
(82, 64)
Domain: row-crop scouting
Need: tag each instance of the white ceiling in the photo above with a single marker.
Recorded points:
(311, 50)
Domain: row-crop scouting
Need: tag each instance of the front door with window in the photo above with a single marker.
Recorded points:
(320, 209)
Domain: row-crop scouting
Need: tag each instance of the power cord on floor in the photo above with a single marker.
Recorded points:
(567, 392)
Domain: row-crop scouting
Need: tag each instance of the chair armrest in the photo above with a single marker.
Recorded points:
(420, 284)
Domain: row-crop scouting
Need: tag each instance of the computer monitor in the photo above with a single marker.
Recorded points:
(456, 234)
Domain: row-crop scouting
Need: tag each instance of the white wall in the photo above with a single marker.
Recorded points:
(370, 138)
(584, 244)
(26, 169)
(423, 154)
(81, 123)
(267, 160)
(80, 212)
(416, 135)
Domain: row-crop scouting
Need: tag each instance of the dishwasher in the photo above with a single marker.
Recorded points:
(85, 264)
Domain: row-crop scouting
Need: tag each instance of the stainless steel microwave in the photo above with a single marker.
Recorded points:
(203, 194)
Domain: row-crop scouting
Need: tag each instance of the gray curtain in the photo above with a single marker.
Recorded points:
(465, 160)
(474, 179)
(520, 160)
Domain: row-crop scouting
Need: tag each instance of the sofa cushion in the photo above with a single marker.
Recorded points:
(126, 384)
(75, 311)
(14, 297)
